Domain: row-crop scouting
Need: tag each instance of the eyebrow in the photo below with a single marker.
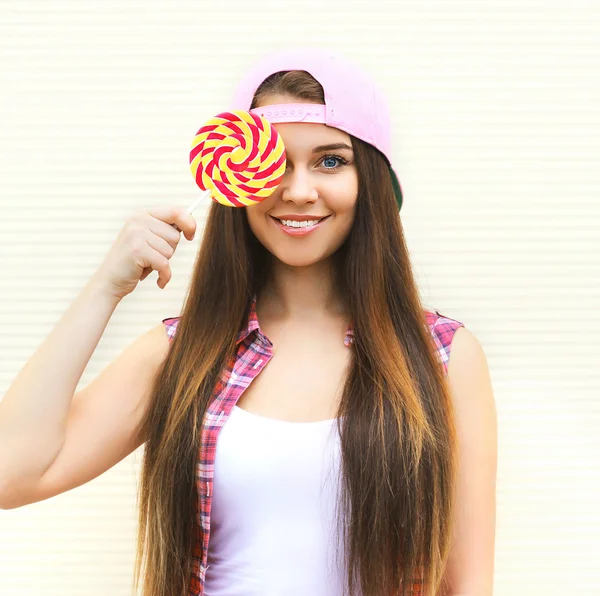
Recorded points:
(331, 147)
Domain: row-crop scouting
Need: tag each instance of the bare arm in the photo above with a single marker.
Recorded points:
(101, 427)
(470, 570)
(34, 410)
(103, 424)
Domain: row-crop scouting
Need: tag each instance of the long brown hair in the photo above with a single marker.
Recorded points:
(397, 428)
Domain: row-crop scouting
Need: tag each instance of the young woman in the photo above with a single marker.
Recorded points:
(309, 427)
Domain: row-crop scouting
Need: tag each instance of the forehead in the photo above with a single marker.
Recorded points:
(301, 135)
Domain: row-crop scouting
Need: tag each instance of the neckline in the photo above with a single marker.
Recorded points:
(252, 324)
(270, 420)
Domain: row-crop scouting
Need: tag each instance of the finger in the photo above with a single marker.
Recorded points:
(176, 216)
(186, 223)
(160, 264)
(162, 246)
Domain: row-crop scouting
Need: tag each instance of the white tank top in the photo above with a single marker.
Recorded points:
(273, 520)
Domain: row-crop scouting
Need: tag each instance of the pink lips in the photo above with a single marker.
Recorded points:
(298, 231)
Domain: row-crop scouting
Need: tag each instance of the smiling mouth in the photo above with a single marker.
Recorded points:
(299, 224)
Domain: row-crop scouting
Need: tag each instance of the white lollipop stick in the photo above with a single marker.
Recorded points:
(195, 205)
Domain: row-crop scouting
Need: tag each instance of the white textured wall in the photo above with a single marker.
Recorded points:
(496, 114)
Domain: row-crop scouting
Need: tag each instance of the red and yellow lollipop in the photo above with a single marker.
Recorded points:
(238, 157)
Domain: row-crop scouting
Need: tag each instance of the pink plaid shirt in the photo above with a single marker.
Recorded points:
(253, 353)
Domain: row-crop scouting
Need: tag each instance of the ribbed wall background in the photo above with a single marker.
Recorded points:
(497, 120)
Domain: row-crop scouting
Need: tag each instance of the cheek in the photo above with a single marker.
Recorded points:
(256, 218)
(261, 228)
(343, 193)
(343, 204)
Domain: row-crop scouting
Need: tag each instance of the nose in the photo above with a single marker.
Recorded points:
(298, 187)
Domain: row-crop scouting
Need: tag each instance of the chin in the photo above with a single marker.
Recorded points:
(299, 258)
(297, 261)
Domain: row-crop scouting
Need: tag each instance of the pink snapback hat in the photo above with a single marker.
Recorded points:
(353, 102)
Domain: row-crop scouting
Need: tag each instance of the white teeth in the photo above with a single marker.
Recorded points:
(299, 224)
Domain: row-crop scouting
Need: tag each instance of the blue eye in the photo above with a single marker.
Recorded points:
(333, 162)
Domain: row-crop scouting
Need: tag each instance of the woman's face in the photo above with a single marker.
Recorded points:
(320, 183)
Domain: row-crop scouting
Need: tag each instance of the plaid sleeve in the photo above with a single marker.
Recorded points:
(442, 331)
(171, 326)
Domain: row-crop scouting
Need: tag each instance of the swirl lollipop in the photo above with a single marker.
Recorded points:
(238, 158)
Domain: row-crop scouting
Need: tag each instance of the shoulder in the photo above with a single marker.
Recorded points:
(468, 370)
(468, 375)
(443, 330)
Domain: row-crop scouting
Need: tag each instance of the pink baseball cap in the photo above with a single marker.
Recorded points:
(353, 102)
